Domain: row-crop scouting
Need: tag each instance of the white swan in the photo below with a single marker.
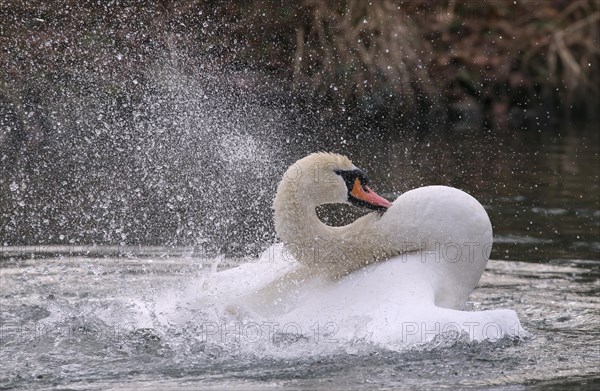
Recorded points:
(402, 273)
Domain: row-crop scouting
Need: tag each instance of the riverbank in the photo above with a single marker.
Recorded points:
(418, 62)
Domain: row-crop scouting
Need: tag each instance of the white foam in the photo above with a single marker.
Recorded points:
(387, 304)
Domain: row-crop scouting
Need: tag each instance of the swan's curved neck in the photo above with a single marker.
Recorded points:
(336, 251)
(296, 220)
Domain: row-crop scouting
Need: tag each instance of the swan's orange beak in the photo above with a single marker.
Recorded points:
(363, 196)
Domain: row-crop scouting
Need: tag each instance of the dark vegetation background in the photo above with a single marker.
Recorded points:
(379, 56)
(99, 101)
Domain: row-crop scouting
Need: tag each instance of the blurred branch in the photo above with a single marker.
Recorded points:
(361, 50)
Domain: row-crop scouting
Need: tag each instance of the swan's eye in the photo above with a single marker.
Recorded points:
(350, 177)
(359, 193)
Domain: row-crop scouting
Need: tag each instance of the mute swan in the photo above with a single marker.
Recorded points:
(403, 271)
(449, 229)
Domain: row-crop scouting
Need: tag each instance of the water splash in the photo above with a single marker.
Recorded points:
(170, 158)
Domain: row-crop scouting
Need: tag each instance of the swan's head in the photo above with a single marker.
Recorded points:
(327, 178)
